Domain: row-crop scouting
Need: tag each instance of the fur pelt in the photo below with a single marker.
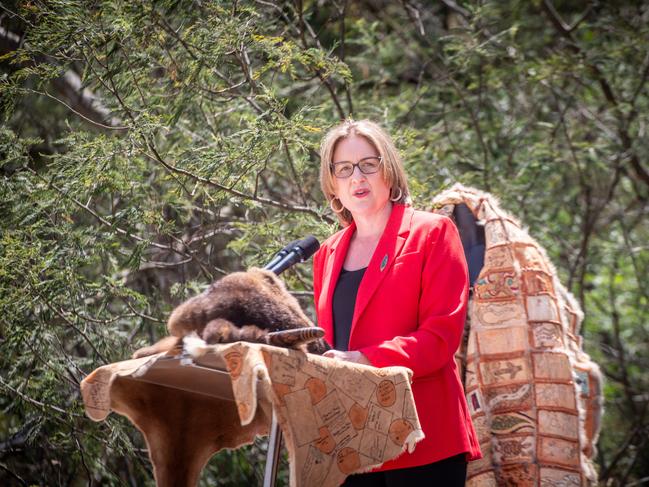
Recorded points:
(183, 429)
(249, 306)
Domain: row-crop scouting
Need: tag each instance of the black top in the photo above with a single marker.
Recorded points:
(343, 305)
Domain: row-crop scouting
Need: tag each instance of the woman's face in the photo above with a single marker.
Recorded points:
(362, 194)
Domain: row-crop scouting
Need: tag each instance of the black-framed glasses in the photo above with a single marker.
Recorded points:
(367, 165)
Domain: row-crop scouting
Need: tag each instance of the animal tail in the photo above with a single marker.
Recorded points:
(294, 337)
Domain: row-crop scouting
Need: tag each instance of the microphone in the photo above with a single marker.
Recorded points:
(298, 251)
(280, 255)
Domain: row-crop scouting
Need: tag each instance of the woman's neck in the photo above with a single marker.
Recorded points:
(369, 227)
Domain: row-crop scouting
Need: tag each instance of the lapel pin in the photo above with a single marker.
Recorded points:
(384, 262)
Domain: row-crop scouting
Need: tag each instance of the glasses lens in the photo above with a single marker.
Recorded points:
(369, 165)
(343, 170)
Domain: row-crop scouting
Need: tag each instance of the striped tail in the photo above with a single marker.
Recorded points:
(295, 337)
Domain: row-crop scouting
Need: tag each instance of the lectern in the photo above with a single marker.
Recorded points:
(337, 418)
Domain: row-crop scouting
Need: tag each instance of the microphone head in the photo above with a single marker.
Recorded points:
(288, 247)
(308, 246)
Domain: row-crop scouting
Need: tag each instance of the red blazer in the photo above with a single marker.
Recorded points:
(410, 311)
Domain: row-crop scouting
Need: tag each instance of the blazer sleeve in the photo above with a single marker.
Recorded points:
(442, 308)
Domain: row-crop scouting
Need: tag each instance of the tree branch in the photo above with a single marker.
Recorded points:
(564, 30)
(81, 101)
(232, 191)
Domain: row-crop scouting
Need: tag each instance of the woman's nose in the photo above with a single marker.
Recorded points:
(357, 173)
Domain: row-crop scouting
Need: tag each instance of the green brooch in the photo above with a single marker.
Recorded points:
(384, 262)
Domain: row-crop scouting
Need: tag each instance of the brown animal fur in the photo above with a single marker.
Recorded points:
(183, 435)
(242, 306)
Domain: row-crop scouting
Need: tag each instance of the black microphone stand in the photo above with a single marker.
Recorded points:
(294, 252)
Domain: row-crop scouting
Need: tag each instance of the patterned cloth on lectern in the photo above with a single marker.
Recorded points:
(337, 417)
(534, 394)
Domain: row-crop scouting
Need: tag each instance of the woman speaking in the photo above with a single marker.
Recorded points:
(391, 288)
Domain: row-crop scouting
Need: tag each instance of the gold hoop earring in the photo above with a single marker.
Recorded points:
(331, 205)
(393, 199)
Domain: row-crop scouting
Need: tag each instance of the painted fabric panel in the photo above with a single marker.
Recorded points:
(535, 396)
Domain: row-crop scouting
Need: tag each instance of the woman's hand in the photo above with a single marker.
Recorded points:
(351, 356)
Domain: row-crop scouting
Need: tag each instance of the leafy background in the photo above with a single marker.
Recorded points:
(148, 148)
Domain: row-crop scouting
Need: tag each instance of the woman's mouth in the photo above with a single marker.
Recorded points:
(361, 193)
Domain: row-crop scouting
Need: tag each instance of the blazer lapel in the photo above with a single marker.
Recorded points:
(388, 248)
(331, 271)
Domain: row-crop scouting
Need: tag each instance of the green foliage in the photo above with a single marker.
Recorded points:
(198, 156)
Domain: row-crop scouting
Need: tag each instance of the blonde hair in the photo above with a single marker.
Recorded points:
(392, 167)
